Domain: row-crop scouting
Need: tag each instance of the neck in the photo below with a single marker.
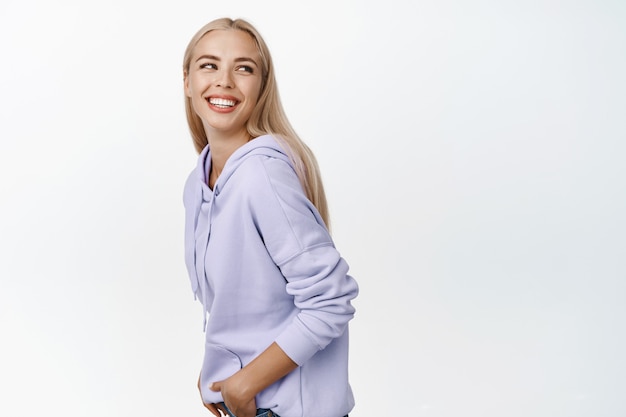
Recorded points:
(222, 147)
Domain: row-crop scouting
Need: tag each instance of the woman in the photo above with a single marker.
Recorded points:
(257, 247)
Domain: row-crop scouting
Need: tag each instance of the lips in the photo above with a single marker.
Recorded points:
(222, 102)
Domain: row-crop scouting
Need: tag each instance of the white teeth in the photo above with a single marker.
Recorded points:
(221, 102)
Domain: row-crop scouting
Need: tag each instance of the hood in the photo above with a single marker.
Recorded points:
(263, 145)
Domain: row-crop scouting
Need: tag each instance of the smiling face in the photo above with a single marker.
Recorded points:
(224, 82)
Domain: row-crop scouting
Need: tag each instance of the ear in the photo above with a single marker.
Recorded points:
(186, 83)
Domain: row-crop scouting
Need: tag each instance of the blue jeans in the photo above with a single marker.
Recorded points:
(260, 412)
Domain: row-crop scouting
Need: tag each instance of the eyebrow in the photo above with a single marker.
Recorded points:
(215, 58)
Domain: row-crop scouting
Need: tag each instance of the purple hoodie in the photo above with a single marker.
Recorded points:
(266, 270)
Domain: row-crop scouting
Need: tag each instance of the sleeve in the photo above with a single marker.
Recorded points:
(300, 245)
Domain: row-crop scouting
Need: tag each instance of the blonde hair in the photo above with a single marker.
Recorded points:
(268, 117)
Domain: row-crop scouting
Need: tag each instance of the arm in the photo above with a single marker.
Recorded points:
(316, 276)
(240, 389)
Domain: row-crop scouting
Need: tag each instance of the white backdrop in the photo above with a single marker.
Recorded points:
(474, 156)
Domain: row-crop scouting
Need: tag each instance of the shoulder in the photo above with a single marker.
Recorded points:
(262, 172)
(284, 216)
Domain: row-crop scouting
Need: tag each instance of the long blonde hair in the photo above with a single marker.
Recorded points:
(268, 117)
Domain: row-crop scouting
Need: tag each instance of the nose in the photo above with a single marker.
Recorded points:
(224, 79)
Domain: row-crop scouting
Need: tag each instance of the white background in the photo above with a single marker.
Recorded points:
(474, 156)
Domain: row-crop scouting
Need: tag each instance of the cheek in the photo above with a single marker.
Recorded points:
(196, 84)
(189, 88)
(256, 89)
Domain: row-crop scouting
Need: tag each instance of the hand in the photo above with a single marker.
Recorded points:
(211, 407)
(238, 401)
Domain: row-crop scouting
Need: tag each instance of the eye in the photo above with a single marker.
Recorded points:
(208, 65)
(245, 68)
